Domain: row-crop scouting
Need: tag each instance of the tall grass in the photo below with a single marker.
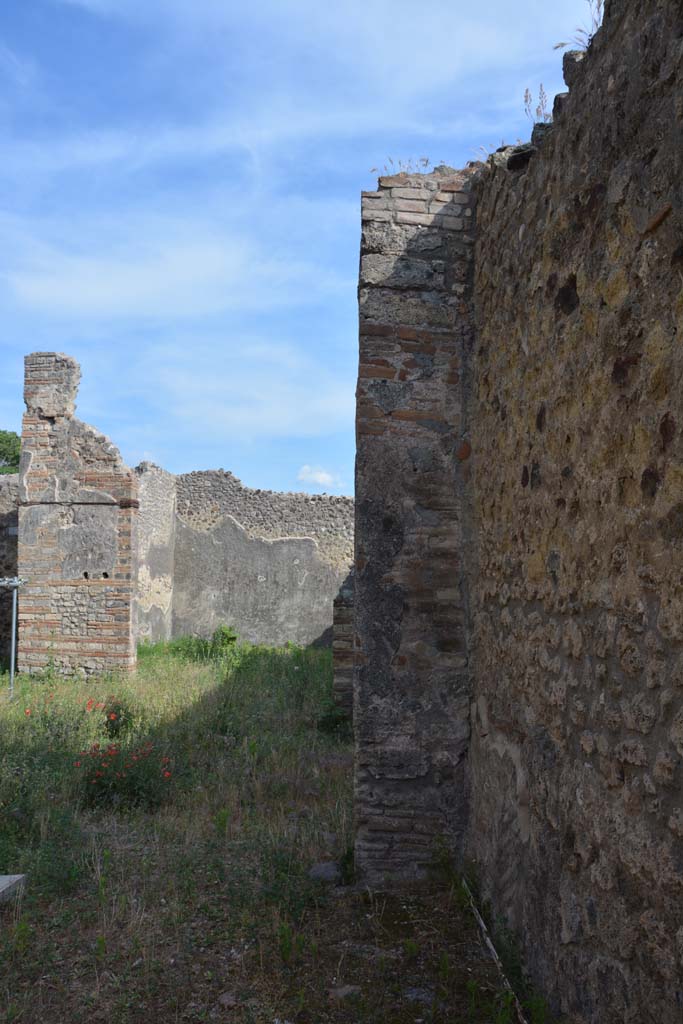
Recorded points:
(224, 728)
(168, 850)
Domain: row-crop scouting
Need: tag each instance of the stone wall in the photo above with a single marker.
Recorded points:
(77, 507)
(114, 556)
(566, 543)
(411, 711)
(9, 499)
(268, 564)
(577, 813)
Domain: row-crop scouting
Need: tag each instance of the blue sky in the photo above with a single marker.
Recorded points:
(179, 201)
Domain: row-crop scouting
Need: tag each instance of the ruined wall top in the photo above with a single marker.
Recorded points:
(51, 382)
(63, 459)
(204, 498)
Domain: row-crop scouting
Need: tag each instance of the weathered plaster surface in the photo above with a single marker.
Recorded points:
(156, 535)
(267, 563)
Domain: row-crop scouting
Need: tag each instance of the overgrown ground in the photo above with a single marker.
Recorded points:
(168, 851)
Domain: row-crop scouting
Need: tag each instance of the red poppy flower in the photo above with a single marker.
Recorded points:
(27, 712)
(112, 716)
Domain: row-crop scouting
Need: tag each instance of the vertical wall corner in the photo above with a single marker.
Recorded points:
(411, 665)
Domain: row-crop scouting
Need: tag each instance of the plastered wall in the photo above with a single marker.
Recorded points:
(156, 553)
(214, 552)
(267, 563)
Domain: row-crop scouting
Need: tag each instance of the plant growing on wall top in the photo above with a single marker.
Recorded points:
(10, 445)
(583, 35)
(541, 113)
(418, 165)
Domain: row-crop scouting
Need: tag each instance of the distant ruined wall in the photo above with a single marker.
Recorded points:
(577, 809)
(77, 507)
(156, 532)
(9, 518)
(412, 691)
(268, 564)
(114, 556)
(571, 803)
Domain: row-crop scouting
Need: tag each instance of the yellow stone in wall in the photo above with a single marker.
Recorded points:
(616, 288)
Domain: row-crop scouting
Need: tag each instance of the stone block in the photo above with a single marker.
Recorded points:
(11, 886)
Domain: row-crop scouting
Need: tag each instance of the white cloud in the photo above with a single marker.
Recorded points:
(381, 43)
(281, 73)
(243, 388)
(153, 267)
(317, 475)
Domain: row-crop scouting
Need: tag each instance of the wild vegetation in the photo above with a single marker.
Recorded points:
(168, 823)
(582, 36)
(10, 446)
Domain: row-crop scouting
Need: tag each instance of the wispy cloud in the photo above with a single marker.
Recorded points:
(317, 475)
(19, 70)
(156, 267)
(179, 183)
(247, 389)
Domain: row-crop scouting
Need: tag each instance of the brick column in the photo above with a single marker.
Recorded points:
(411, 710)
(77, 512)
(342, 646)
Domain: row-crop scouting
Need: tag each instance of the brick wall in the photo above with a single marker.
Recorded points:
(77, 508)
(342, 646)
(411, 669)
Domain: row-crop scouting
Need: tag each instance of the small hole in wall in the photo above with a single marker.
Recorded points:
(105, 575)
(567, 298)
(86, 576)
(667, 430)
(649, 482)
(540, 418)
